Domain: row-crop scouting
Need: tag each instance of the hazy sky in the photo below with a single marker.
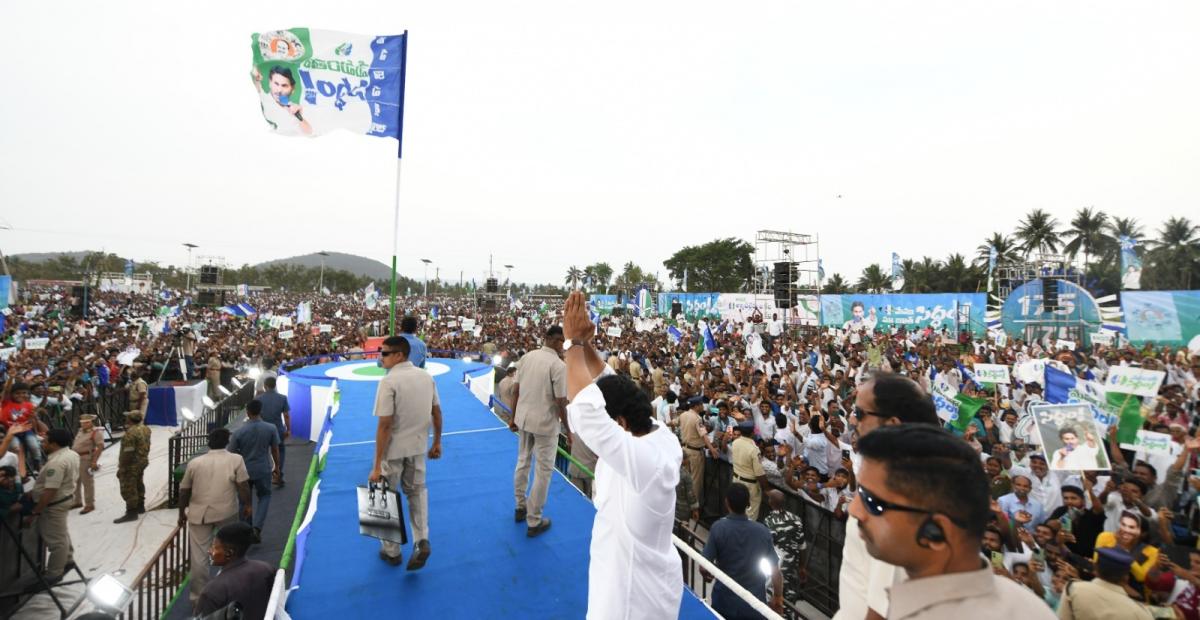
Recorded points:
(557, 133)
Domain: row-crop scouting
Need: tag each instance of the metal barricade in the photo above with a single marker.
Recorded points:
(155, 588)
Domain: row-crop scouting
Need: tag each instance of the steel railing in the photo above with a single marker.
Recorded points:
(156, 587)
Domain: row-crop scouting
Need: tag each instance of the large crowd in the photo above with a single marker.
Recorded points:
(783, 406)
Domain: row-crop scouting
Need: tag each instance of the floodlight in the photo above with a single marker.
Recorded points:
(224, 390)
(108, 593)
(208, 402)
(187, 414)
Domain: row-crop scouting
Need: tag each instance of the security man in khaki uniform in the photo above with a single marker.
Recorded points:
(747, 466)
(208, 500)
(88, 444)
(139, 393)
(541, 407)
(213, 374)
(1104, 598)
(53, 492)
(694, 437)
(131, 466)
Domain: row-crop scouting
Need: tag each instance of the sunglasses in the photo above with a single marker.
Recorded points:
(876, 506)
(387, 353)
(861, 414)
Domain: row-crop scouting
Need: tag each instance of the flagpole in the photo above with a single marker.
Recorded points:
(399, 159)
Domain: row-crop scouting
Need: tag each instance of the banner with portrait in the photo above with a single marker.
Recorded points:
(1131, 264)
(909, 310)
(310, 82)
(1071, 440)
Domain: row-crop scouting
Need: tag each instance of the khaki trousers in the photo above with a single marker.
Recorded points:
(755, 497)
(52, 525)
(695, 465)
(530, 447)
(408, 475)
(85, 484)
(200, 540)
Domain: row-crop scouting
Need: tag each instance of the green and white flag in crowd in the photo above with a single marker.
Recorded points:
(311, 82)
(968, 408)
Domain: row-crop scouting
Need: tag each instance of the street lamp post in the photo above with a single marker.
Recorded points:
(508, 277)
(425, 287)
(321, 281)
(190, 247)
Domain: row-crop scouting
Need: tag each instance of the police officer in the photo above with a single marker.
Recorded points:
(1104, 597)
(694, 437)
(88, 444)
(747, 466)
(787, 531)
(131, 465)
(52, 491)
(139, 392)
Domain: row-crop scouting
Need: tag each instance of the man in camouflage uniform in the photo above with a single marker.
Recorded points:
(788, 534)
(135, 456)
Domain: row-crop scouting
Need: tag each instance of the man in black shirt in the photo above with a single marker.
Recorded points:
(1085, 523)
(247, 582)
(738, 546)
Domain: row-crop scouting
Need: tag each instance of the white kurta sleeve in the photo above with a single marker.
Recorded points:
(614, 445)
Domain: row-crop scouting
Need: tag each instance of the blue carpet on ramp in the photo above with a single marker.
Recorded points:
(482, 564)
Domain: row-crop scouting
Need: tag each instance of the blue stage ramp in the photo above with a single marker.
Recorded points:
(482, 565)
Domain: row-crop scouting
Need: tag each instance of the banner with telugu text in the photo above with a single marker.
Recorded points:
(311, 82)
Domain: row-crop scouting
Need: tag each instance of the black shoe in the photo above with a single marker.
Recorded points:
(422, 554)
(141, 509)
(394, 561)
(257, 536)
(519, 515)
(538, 529)
(126, 518)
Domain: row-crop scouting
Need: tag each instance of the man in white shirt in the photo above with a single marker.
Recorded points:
(634, 568)
(863, 582)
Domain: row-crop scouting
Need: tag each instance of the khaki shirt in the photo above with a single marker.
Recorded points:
(408, 395)
(689, 430)
(213, 478)
(635, 370)
(1100, 600)
(214, 366)
(977, 594)
(139, 396)
(507, 389)
(60, 472)
(542, 378)
(745, 456)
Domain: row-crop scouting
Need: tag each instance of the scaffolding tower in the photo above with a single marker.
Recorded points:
(787, 267)
(1011, 275)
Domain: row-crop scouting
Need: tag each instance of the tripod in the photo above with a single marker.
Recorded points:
(176, 353)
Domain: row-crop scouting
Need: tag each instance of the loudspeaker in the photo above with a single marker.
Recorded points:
(206, 298)
(1050, 294)
(676, 309)
(491, 285)
(209, 274)
(80, 301)
(785, 275)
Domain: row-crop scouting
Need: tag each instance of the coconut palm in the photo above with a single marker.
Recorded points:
(1006, 250)
(873, 280)
(835, 285)
(574, 275)
(1089, 233)
(1174, 255)
(1038, 231)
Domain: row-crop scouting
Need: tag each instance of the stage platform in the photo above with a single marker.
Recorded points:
(482, 564)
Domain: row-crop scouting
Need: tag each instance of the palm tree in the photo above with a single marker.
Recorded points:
(573, 276)
(873, 280)
(1038, 231)
(1174, 255)
(835, 285)
(1125, 227)
(958, 276)
(1088, 232)
(1006, 250)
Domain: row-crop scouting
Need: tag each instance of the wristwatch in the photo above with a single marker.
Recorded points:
(579, 342)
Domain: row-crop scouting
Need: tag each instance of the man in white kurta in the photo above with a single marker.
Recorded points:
(634, 570)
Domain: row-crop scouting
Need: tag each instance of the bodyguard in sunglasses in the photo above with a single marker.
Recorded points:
(922, 505)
